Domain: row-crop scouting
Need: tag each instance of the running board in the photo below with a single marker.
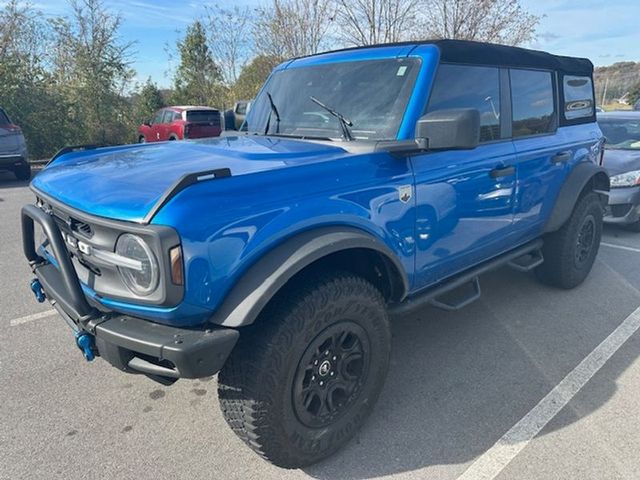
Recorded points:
(432, 295)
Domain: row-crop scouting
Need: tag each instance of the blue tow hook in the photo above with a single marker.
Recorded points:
(85, 343)
(36, 288)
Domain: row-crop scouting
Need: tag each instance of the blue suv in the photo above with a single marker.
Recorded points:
(364, 183)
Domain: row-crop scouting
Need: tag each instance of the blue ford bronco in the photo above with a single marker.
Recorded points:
(363, 184)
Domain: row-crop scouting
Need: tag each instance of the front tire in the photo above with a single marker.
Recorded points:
(569, 252)
(302, 381)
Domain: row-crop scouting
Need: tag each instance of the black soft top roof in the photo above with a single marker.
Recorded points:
(481, 53)
(464, 51)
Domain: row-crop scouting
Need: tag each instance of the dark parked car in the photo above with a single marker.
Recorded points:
(178, 123)
(622, 161)
(13, 148)
(370, 181)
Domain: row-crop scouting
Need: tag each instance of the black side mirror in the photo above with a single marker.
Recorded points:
(146, 122)
(450, 129)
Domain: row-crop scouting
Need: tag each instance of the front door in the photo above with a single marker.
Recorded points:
(464, 198)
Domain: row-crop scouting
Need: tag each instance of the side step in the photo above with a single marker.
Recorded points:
(433, 296)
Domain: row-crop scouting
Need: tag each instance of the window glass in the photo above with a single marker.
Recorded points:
(532, 101)
(4, 120)
(621, 133)
(578, 97)
(371, 94)
(462, 86)
(157, 118)
(168, 116)
(241, 109)
(204, 116)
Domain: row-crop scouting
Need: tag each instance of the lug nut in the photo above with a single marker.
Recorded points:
(321, 383)
(332, 373)
(316, 362)
(327, 352)
(313, 377)
(334, 358)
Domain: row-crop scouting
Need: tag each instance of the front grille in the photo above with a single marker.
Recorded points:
(619, 210)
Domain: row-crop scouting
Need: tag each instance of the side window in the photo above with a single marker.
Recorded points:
(241, 109)
(462, 86)
(532, 100)
(578, 97)
(168, 116)
(157, 118)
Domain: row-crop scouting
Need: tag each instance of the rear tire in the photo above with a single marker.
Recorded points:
(23, 172)
(569, 252)
(283, 394)
(141, 139)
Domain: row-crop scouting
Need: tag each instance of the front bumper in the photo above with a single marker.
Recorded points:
(9, 162)
(623, 206)
(129, 343)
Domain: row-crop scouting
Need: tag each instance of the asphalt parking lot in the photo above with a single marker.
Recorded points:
(509, 369)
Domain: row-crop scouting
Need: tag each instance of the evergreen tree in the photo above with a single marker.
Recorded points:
(149, 99)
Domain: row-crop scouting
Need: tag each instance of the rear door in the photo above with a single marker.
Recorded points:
(9, 135)
(465, 198)
(545, 153)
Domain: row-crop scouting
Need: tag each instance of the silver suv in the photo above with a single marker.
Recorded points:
(13, 148)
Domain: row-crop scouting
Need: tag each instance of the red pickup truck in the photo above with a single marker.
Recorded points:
(178, 123)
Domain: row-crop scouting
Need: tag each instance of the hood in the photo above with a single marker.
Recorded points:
(621, 161)
(125, 182)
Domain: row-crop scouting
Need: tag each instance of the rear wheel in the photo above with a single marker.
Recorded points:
(23, 172)
(302, 381)
(569, 253)
(141, 139)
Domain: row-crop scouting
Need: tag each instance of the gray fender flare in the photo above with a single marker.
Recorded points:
(269, 274)
(580, 176)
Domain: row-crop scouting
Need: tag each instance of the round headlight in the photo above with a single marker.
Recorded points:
(144, 280)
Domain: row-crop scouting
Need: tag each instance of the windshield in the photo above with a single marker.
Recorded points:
(621, 134)
(372, 94)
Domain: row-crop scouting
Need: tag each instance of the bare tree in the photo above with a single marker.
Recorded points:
(293, 28)
(367, 22)
(497, 21)
(230, 39)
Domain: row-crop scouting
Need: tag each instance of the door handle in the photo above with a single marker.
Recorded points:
(502, 172)
(561, 157)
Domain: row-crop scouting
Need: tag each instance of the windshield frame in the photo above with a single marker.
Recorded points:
(402, 99)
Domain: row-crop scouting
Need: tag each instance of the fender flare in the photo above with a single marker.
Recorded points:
(573, 186)
(269, 274)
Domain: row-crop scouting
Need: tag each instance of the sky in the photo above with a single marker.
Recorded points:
(606, 31)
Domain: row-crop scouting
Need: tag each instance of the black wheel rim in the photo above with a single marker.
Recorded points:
(331, 374)
(586, 240)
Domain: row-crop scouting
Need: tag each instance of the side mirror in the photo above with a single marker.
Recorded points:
(146, 122)
(450, 129)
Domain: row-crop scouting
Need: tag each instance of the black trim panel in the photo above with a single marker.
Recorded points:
(269, 274)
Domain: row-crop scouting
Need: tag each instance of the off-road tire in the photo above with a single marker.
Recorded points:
(256, 387)
(561, 249)
(23, 172)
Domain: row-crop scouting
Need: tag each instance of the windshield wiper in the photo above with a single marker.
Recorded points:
(345, 123)
(274, 110)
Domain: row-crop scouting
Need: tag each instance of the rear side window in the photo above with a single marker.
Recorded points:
(203, 116)
(578, 97)
(463, 86)
(4, 120)
(532, 101)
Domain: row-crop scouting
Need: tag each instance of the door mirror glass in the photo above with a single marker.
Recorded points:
(450, 129)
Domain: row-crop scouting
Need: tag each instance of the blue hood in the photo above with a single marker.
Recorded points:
(125, 182)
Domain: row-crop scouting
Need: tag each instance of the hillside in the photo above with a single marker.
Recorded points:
(618, 79)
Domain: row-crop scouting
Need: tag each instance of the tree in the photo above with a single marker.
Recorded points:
(368, 22)
(149, 99)
(293, 28)
(497, 21)
(92, 69)
(254, 75)
(197, 79)
(230, 40)
(634, 94)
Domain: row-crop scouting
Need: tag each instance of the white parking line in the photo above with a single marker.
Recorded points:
(31, 318)
(621, 247)
(493, 461)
